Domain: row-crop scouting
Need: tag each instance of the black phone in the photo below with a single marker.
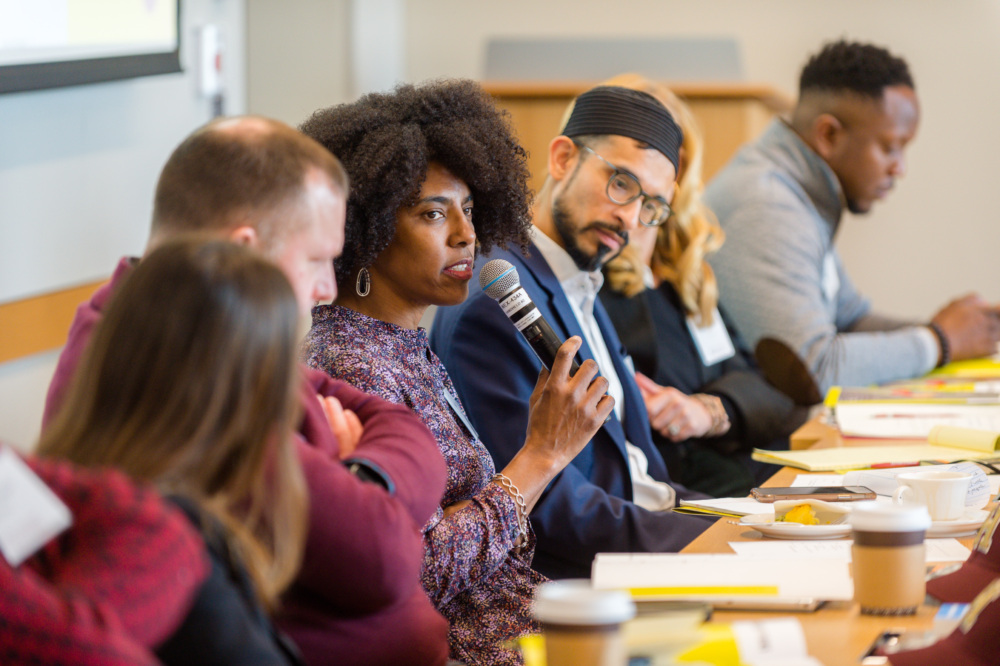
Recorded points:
(825, 493)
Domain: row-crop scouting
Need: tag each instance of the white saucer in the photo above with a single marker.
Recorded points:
(764, 523)
(967, 525)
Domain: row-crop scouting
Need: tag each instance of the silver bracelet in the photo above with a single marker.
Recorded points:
(520, 506)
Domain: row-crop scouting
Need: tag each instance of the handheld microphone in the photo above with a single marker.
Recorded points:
(500, 281)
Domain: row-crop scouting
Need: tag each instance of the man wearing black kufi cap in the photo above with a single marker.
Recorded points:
(613, 167)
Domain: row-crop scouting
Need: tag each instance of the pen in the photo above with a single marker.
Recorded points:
(894, 464)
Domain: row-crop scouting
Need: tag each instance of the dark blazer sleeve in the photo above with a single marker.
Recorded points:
(587, 508)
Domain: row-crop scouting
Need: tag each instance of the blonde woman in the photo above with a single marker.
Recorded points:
(707, 402)
(191, 384)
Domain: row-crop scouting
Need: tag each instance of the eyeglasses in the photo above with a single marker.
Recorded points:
(624, 188)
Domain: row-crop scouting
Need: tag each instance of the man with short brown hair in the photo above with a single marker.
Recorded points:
(357, 596)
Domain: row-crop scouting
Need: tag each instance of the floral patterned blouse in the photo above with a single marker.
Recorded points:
(471, 571)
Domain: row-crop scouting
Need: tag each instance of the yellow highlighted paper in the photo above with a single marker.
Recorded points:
(965, 438)
(863, 457)
(716, 646)
(979, 367)
(688, 591)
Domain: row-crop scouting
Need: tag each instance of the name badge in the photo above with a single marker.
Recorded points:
(713, 342)
(831, 279)
(30, 514)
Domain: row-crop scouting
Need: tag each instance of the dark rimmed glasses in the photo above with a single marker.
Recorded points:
(624, 188)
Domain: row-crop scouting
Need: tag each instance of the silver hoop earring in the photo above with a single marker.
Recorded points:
(363, 285)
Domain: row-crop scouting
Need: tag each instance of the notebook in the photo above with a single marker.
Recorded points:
(945, 444)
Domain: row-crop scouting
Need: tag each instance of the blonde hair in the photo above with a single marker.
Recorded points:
(191, 383)
(690, 234)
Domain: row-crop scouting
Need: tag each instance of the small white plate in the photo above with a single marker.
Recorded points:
(967, 525)
(764, 523)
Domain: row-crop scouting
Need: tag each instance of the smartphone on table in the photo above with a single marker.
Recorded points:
(825, 493)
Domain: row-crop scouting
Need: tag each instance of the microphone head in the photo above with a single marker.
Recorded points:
(498, 277)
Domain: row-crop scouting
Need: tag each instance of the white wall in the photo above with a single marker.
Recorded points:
(934, 237)
(77, 171)
(77, 166)
(297, 57)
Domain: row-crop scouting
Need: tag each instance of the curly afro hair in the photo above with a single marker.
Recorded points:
(864, 69)
(386, 141)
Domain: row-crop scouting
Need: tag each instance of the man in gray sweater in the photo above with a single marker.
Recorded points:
(780, 200)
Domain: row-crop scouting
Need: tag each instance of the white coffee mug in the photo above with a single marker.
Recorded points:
(943, 493)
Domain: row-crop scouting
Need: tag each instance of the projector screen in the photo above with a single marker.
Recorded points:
(54, 43)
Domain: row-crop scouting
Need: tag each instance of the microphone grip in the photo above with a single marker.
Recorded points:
(532, 325)
(545, 343)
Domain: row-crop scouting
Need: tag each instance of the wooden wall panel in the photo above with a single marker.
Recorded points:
(34, 325)
(729, 116)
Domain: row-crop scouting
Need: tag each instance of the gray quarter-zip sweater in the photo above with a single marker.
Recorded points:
(780, 276)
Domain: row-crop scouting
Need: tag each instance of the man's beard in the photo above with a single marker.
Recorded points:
(563, 222)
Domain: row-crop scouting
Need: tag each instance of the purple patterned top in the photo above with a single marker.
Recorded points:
(470, 572)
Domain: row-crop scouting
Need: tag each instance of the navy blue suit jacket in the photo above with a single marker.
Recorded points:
(587, 509)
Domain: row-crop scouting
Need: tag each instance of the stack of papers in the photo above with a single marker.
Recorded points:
(732, 507)
(965, 395)
(911, 420)
(946, 446)
(719, 579)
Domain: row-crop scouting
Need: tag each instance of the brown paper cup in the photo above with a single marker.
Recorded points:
(582, 626)
(888, 563)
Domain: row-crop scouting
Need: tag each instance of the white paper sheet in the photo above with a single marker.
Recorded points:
(912, 420)
(817, 480)
(740, 506)
(772, 642)
(673, 575)
(938, 550)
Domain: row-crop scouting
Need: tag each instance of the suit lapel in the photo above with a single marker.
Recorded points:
(557, 300)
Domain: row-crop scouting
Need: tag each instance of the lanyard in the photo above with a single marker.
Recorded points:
(455, 407)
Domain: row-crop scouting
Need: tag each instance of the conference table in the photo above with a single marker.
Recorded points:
(837, 634)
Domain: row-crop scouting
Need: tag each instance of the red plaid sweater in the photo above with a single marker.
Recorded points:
(110, 588)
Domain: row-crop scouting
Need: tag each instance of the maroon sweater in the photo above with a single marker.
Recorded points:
(358, 598)
(111, 587)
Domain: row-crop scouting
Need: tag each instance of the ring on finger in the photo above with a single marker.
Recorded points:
(673, 430)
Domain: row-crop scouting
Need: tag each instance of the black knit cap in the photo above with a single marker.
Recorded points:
(626, 112)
